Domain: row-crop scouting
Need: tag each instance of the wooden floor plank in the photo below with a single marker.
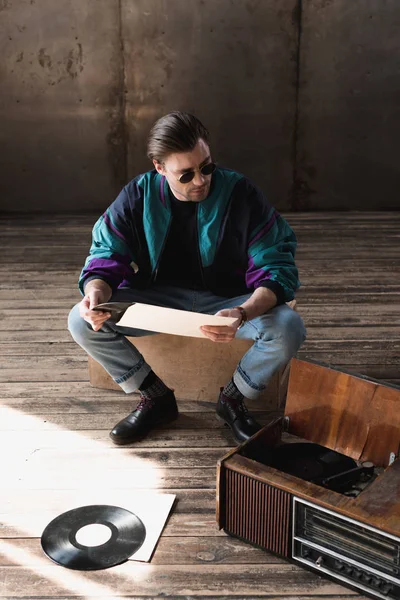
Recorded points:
(22, 525)
(131, 478)
(24, 368)
(342, 596)
(350, 351)
(159, 438)
(317, 271)
(17, 298)
(189, 501)
(320, 332)
(312, 254)
(179, 525)
(182, 580)
(172, 551)
(12, 421)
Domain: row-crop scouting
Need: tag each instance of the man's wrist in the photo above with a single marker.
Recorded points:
(98, 285)
(261, 301)
(99, 291)
(243, 315)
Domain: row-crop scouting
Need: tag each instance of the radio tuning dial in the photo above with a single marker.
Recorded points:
(386, 589)
(339, 565)
(348, 570)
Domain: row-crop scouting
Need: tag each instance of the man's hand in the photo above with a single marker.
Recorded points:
(260, 302)
(223, 333)
(97, 291)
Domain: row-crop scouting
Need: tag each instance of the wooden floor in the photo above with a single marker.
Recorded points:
(55, 449)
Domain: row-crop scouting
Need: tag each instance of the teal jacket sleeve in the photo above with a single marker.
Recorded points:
(111, 258)
(271, 252)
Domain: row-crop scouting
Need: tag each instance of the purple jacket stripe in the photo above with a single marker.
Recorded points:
(113, 268)
(264, 230)
(109, 224)
(162, 191)
(255, 275)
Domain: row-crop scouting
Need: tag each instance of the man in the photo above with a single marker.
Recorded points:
(193, 236)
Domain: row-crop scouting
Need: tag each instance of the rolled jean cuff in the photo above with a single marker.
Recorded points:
(134, 378)
(249, 389)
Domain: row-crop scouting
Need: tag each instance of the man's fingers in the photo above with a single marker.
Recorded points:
(101, 320)
(95, 299)
(217, 329)
(84, 306)
(218, 334)
(96, 318)
(217, 338)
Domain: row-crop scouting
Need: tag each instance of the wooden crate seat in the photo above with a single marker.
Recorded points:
(195, 368)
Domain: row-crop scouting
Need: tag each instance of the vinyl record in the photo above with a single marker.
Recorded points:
(60, 544)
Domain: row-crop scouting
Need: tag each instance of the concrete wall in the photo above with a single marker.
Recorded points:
(83, 80)
(61, 109)
(348, 148)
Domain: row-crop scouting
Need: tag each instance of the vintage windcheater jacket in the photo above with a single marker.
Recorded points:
(242, 241)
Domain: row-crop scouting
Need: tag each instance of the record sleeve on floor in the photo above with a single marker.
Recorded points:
(153, 510)
(135, 526)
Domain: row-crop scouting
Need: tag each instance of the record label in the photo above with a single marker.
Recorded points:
(60, 543)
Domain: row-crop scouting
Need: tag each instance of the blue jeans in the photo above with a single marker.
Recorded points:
(277, 336)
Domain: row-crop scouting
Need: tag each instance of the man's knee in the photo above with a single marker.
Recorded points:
(287, 329)
(290, 321)
(77, 326)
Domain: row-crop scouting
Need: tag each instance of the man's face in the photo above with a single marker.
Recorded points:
(179, 163)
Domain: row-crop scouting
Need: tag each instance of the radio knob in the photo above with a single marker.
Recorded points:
(339, 565)
(320, 561)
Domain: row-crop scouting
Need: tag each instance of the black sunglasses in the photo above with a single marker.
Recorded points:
(206, 170)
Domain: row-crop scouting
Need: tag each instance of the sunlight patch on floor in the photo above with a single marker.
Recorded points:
(81, 583)
(100, 472)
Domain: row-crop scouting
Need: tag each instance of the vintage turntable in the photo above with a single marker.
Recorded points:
(321, 485)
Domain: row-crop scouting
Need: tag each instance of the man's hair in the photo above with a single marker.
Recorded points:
(175, 132)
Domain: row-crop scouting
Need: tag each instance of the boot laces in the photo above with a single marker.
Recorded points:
(238, 406)
(243, 408)
(145, 402)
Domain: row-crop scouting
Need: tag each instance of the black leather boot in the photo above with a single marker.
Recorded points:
(147, 414)
(235, 415)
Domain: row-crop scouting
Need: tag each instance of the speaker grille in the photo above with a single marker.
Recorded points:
(258, 513)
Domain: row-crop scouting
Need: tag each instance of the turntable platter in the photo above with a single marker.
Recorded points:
(310, 462)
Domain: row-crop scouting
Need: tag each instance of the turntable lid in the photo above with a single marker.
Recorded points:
(357, 416)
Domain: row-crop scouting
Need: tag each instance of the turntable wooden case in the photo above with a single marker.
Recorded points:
(360, 540)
